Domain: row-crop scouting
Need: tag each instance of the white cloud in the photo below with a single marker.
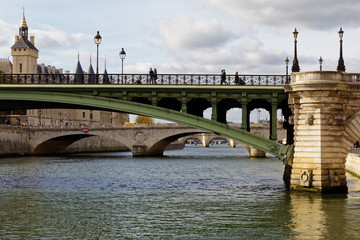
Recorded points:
(320, 14)
(51, 38)
(7, 38)
(183, 32)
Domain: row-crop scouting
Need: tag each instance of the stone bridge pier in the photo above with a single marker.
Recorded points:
(325, 107)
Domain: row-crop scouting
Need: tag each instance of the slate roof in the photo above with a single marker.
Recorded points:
(79, 77)
(78, 69)
(106, 79)
(91, 70)
(24, 43)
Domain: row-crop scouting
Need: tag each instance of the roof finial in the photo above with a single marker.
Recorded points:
(90, 58)
(23, 23)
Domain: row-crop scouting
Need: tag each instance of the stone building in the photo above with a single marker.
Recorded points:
(5, 65)
(25, 56)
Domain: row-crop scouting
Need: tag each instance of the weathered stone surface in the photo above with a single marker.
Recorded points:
(327, 123)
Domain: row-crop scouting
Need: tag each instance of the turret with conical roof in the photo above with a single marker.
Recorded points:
(79, 73)
(106, 79)
(91, 74)
(24, 52)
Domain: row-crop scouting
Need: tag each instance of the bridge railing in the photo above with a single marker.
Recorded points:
(128, 79)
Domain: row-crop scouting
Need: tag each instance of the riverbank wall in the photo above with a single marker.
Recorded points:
(353, 162)
(15, 141)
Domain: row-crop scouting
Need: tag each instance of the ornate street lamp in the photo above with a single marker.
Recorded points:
(97, 40)
(295, 66)
(341, 65)
(122, 55)
(287, 69)
(320, 62)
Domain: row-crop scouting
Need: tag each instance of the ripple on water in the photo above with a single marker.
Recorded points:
(190, 194)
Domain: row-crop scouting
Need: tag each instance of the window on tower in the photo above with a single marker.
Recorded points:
(20, 68)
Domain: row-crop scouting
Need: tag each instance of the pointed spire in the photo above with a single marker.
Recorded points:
(106, 79)
(79, 73)
(23, 29)
(23, 23)
(78, 69)
(90, 69)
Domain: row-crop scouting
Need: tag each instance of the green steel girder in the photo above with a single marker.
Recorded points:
(284, 152)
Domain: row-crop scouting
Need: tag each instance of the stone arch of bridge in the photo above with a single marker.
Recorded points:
(104, 103)
(154, 140)
(352, 132)
(56, 144)
(205, 139)
(159, 146)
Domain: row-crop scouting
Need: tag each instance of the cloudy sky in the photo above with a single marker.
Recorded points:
(187, 36)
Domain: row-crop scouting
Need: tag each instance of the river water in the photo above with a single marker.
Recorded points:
(195, 193)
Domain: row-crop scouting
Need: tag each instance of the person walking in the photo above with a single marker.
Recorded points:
(223, 77)
(237, 80)
(155, 75)
(151, 73)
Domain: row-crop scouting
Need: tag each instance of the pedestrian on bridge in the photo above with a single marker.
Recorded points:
(151, 73)
(237, 80)
(223, 77)
(155, 75)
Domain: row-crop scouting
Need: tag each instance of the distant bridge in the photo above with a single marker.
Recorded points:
(140, 139)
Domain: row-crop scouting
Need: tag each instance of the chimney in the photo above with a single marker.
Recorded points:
(16, 38)
(32, 40)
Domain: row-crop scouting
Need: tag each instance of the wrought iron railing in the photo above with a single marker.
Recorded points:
(162, 79)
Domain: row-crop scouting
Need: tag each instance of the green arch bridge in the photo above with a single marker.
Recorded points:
(177, 98)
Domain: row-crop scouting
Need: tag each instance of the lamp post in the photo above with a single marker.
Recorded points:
(320, 62)
(341, 65)
(122, 55)
(97, 40)
(295, 66)
(287, 69)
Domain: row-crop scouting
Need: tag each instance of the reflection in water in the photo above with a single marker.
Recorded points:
(316, 216)
(307, 216)
(213, 193)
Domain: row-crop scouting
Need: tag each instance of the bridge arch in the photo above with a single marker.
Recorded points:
(352, 131)
(57, 144)
(170, 103)
(104, 103)
(197, 106)
(152, 140)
